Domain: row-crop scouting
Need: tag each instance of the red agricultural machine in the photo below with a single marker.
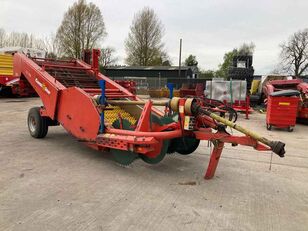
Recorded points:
(129, 85)
(107, 117)
(10, 84)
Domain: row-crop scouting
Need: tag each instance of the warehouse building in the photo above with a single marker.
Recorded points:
(152, 71)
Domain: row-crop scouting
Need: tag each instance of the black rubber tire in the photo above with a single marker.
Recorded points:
(241, 74)
(191, 145)
(268, 127)
(37, 125)
(6, 92)
(290, 129)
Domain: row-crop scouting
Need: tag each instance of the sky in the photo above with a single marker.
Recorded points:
(209, 28)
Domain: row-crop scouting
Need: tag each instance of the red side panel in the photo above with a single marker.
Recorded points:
(77, 114)
(44, 84)
(282, 111)
(303, 113)
(4, 79)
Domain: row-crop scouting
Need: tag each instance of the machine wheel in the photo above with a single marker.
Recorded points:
(120, 156)
(126, 125)
(172, 147)
(161, 120)
(185, 145)
(290, 129)
(268, 127)
(37, 124)
(159, 157)
(123, 157)
(165, 120)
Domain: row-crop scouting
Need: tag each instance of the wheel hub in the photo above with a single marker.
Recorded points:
(32, 124)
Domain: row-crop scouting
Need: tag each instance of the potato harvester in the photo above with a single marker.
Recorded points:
(105, 116)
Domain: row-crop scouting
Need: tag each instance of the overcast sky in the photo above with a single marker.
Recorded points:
(208, 28)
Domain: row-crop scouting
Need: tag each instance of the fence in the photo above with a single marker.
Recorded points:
(157, 83)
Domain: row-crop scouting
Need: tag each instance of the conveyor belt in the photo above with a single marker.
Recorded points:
(71, 77)
(69, 74)
(112, 114)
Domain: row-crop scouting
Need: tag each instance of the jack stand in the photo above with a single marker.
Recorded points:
(215, 156)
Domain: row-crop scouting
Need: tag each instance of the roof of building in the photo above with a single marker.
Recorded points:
(156, 68)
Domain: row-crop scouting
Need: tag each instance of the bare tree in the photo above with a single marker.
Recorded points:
(143, 45)
(107, 57)
(82, 28)
(294, 53)
(52, 46)
(21, 39)
(2, 37)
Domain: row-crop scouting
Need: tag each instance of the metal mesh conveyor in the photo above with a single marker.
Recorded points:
(70, 74)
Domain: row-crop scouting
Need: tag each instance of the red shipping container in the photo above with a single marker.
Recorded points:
(281, 112)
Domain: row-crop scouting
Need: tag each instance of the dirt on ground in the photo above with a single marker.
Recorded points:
(57, 183)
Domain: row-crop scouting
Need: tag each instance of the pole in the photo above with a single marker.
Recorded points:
(180, 58)
(139, 102)
(102, 101)
(231, 92)
(247, 106)
(170, 86)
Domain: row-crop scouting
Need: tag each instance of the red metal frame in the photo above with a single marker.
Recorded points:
(243, 106)
(215, 156)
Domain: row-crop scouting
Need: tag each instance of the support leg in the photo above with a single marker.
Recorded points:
(247, 106)
(215, 155)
